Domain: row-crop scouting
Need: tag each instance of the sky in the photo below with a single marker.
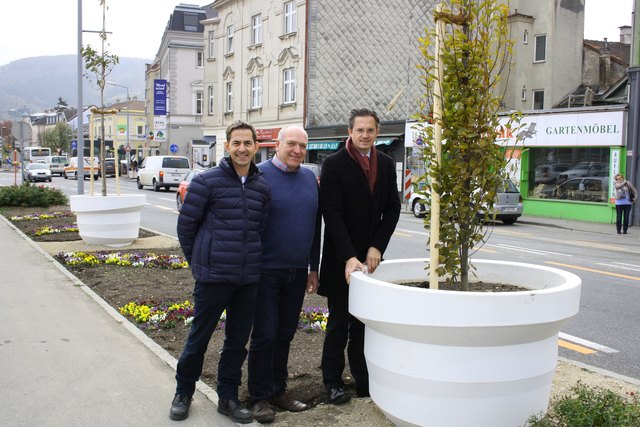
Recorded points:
(48, 27)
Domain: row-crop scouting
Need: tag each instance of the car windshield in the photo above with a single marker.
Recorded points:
(38, 166)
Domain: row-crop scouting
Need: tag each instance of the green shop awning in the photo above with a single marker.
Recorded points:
(323, 145)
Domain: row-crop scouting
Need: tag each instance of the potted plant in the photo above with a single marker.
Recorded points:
(459, 357)
(105, 220)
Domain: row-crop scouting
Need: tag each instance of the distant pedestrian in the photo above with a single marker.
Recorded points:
(360, 206)
(289, 266)
(626, 194)
(219, 229)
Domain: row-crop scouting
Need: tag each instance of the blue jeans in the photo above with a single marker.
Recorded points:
(210, 300)
(280, 296)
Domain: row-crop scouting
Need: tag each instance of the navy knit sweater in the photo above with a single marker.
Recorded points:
(292, 237)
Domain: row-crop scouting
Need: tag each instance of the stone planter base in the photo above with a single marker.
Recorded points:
(108, 220)
(446, 358)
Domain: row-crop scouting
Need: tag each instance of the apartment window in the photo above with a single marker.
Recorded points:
(523, 95)
(210, 100)
(200, 59)
(289, 17)
(140, 131)
(230, 39)
(289, 78)
(525, 37)
(538, 99)
(541, 48)
(190, 22)
(256, 29)
(256, 92)
(211, 45)
(229, 96)
(199, 102)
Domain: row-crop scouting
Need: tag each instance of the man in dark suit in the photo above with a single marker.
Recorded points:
(360, 205)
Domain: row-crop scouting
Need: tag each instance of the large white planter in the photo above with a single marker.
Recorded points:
(444, 358)
(108, 220)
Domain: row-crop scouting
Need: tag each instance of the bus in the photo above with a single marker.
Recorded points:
(35, 154)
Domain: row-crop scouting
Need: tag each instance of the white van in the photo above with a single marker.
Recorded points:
(162, 171)
(57, 164)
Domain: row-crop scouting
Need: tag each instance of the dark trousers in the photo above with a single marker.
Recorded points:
(210, 300)
(343, 330)
(280, 296)
(622, 217)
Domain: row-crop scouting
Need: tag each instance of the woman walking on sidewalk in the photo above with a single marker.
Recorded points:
(626, 193)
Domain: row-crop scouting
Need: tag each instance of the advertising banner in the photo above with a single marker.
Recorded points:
(159, 97)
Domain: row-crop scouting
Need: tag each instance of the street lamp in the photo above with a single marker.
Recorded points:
(128, 129)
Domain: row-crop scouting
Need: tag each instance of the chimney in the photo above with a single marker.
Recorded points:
(625, 34)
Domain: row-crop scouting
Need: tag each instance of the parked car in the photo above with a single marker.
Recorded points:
(162, 171)
(36, 172)
(56, 164)
(586, 169)
(507, 206)
(109, 167)
(315, 168)
(548, 174)
(71, 170)
(184, 187)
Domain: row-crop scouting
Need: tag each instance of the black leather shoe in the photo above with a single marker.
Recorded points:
(235, 411)
(180, 407)
(338, 396)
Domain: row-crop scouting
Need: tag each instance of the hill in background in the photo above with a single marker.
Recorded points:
(34, 84)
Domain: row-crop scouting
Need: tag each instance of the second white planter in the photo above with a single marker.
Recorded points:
(444, 358)
(108, 220)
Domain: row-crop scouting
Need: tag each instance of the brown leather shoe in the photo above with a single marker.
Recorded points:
(262, 412)
(288, 404)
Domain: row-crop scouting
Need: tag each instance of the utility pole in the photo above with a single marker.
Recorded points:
(633, 126)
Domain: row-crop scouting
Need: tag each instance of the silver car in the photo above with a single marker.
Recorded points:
(37, 172)
(507, 207)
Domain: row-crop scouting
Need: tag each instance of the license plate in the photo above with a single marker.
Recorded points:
(509, 209)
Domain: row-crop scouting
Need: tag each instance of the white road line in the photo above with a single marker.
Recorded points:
(620, 266)
(629, 265)
(420, 233)
(527, 250)
(586, 343)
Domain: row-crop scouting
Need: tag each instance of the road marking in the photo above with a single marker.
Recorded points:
(527, 250)
(598, 245)
(412, 232)
(621, 265)
(575, 347)
(593, 270)
(587, 343)
(398, 233)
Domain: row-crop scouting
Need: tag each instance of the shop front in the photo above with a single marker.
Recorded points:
(567, 162)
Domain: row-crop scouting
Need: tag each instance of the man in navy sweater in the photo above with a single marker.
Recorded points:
(290, 260)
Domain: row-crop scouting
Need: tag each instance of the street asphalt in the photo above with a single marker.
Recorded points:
(67, 358)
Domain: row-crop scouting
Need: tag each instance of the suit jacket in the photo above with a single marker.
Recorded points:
(354, 218)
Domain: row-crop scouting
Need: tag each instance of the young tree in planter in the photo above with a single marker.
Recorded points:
(99, 66)
(464, 163)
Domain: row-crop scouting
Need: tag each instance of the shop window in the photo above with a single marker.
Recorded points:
(572, 173)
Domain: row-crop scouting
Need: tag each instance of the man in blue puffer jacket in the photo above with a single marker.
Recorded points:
(219, 229)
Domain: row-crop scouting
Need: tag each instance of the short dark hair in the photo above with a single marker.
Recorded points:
(239, 124)
(363, 112)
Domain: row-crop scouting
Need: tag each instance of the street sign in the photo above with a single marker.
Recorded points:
(21, 131)
(74, 144)
(173, 148)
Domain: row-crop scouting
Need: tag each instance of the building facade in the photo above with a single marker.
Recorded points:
(179, 66)
(255, 69)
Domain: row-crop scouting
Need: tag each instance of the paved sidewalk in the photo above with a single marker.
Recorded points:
(68, 359)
